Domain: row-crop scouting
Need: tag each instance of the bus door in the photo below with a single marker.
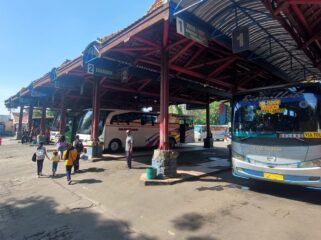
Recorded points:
(182, 130)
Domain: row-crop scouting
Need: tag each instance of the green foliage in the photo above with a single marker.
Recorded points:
(37, 113)
(200, 114)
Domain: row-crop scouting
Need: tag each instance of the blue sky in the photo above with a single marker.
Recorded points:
(37, 35)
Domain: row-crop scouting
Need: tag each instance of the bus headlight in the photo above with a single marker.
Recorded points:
(309, 164)
(238, 156)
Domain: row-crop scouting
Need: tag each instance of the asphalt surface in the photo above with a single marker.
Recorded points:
(107, 201)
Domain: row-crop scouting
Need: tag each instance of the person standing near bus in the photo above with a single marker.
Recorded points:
(79, 147)
(129, 148)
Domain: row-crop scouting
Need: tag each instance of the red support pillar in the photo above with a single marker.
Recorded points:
(62, 123)
(96, 110)
(164, 100)
(30, 118)
(19, 133)
(208, 126)
(43, 121)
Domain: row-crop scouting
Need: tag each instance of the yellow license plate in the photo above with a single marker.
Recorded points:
(274, 176)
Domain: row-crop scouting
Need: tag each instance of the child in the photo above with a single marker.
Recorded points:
(55, 159)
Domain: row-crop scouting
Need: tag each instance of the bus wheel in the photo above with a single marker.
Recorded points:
(115, 145)
(172, 143)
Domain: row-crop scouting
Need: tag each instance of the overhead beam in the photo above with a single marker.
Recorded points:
(130, 90)
(221, 68)
(191, 73)
(282, 7)
(144, 85)
(317, 2)
(145, 41)
(183, 50)
(138, 49)
(213, 62)
(301, 17)
(196, 55)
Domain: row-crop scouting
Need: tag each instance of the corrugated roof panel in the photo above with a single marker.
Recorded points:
(268, 39)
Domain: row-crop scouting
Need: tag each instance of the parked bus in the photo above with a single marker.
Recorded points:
(71, 123)
(276, 134)
(218, 132)
(144, 126)
(199, 133)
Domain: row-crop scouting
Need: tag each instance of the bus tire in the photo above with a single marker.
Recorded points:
(172, 143)
(115, 145)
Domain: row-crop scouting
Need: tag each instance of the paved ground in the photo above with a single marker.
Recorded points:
(107, 201)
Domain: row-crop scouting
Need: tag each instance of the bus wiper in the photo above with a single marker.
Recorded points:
(301, 140)
(242, 139)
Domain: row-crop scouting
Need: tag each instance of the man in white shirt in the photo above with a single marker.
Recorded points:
(129, 148)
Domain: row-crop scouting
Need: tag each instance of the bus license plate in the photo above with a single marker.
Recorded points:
(274, 176)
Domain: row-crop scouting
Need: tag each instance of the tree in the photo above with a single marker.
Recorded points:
(200, 114)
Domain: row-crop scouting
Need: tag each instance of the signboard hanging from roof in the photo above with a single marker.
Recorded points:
(190, 31)
(240, 39)
(93, 64)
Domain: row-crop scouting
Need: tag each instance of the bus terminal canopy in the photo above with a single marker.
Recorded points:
(210, 49)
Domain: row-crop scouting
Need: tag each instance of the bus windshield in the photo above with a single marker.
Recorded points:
(86, 119)
(269, 114)
(55, 123)
(85, 123)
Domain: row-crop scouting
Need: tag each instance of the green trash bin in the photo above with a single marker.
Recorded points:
(150, 173)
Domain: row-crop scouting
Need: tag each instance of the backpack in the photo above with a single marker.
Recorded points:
(40, 154)
(79, 146)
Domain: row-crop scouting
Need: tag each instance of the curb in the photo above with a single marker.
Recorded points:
(162, 182)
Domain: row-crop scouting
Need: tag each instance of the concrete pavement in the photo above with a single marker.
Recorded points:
(107, 201)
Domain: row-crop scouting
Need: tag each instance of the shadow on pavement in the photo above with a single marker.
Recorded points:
(86, 181)
(227, 180)
(191, 222)
(92, 170)
(201, 238)
(37, 218)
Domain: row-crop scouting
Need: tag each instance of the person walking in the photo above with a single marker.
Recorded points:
(61, 146)
(55, 159)
(79, 147)
(129, 148)
(70, 156)
(41, 153)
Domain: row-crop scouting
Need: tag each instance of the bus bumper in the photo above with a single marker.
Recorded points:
(310, 177)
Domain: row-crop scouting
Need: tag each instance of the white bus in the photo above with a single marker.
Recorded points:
(218, 132)
(276, 134)
(70, 126)
(113, 124)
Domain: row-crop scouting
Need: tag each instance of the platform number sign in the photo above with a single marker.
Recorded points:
(91, 69)
(180, 26)
(240, 40)
(191, 31)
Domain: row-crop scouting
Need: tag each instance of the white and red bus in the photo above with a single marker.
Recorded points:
(113, 124)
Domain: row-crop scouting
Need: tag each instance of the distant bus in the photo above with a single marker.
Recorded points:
(71, 123)
(218, 132)
(113, 124)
